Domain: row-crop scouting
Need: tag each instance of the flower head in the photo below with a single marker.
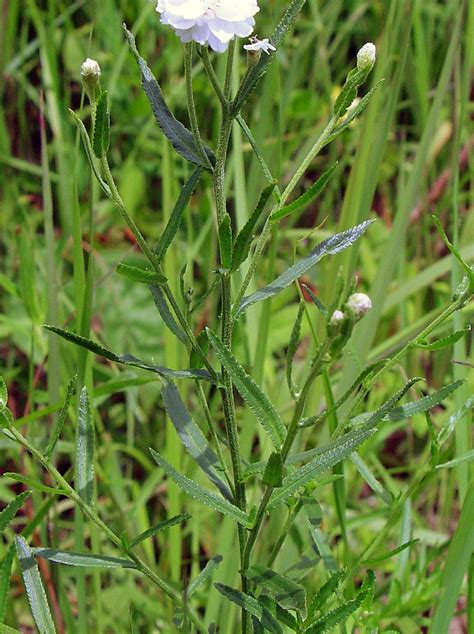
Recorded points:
(366, 56)
(90, 68)
(260, 45)
(336, 318)
(360, 304)
(212, 22)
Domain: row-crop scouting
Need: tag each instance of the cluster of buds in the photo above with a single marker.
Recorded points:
(357, 305)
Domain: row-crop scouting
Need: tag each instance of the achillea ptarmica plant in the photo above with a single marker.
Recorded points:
(359, 304)
(90, 73)
(209, 22)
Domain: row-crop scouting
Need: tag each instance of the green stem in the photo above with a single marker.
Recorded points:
(188, 72)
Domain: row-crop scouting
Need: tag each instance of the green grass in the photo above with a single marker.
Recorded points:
(61, 241)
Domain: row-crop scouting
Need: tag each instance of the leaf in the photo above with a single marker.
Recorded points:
(252, 394)
(244, 239)
(286, 592)
(33, 484)
(448, 428)
(165, 314)
(391, 553)
(84, 465)
(331, 246)
(181, 138)
(205, 574)
(199, 493)
(5, 573)
(82, 560)
(324, 593)
(354, 79)
(61, 419)
(250, 605)
(174, 221)
(12, 509)
(341, 449)
(468, 269)
(141, 275)
(90, 154)
(465, 457)
(225, 242)
(337, 616)
(444, 342)
(3, 393)
(273, 474)
(292, 347)
(34, 588)
(256, 72)
(192, 437)
(101, 135)
(316, 301)
(305, 199)
(158, 528)
(128, 359)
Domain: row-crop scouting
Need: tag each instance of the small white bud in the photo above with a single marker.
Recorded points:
(366, 56)
(90, 68)
(360, 304)
(337, 317)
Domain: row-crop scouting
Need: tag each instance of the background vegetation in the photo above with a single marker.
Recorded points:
(409, 156)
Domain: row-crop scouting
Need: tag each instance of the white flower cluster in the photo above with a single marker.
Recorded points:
(211, 22)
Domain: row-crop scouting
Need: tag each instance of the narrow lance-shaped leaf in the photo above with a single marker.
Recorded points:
(324, 593)
(84, 467)
(286, 592)
(292, 347)
(250, 605)
(101, 135)
(137, 274)
(273, 474)
(128, 359)
(5, 573)
(252, 394)
(331, 246)
(12, 509)
(90, 154)
(225, 242)
(174, 221)
(244, 239)
(33, 484)
(205, 574)
(165, 313)
(82, 560)
(3, 393)
(192, 437)
(445, 342)
(337, 616)
(305, 199)
(181, 138)
(34, 588)
(48, 452)
(199, 493)
(158, 528)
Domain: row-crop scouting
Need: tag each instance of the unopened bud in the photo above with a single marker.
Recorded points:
(337, 317)
(90, 68)
(90, 71)
(366, 56)
(359, 304)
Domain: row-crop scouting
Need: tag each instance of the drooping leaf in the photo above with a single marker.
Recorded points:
(90, 154)
(82, 560)
(192, 437)
(341, 449)
(101, 134)
(225, 242)
(165, 313)
(158, 528)
(292, 347)
(181, 138)
(128, 359)
(273, 474)
(444, 342)
(331, 246)
(315, 299)
(144, 276)
(244, 239)
(174, 221)
(256, 72)
(199, 493)
(305, 199)
(61, 419)
(205, 574)
(84, 465)
(34, 588)
(250, 605)
(252, 394)
(12, 509)
(286, 592)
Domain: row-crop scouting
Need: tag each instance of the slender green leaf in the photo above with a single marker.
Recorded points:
(165, 313)
(205, 574)
(176, 217)
(256, 72)
(5, 629)
(324, 593)
(84, 465)
(101, 134)
(286, 592)
(244, 239)
(181, 138)
(225, 242)
(355, 78)
(199, 493)
(292, 347)
(273, 474)
(389, 554)
(445, 342)
(33, 484)
(34, 588)
(316, 301)
(192, 437)
(448, 428)
(337, 616)
(331, 246)
(305, 474)
(158, 528)
(465, 457)
(5, 573)
(12, 509)
(61, 419)
(370, 478)
(83, 560)
(128, 359)
(305, 199)
(3, 393)
(90, 155)
(141, 275)
(258, 402)
(467, 268)
(250, 605)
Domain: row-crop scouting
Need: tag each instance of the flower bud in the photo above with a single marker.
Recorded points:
(366, 56)
(359, 304)
(337, 317)
(90, 71)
